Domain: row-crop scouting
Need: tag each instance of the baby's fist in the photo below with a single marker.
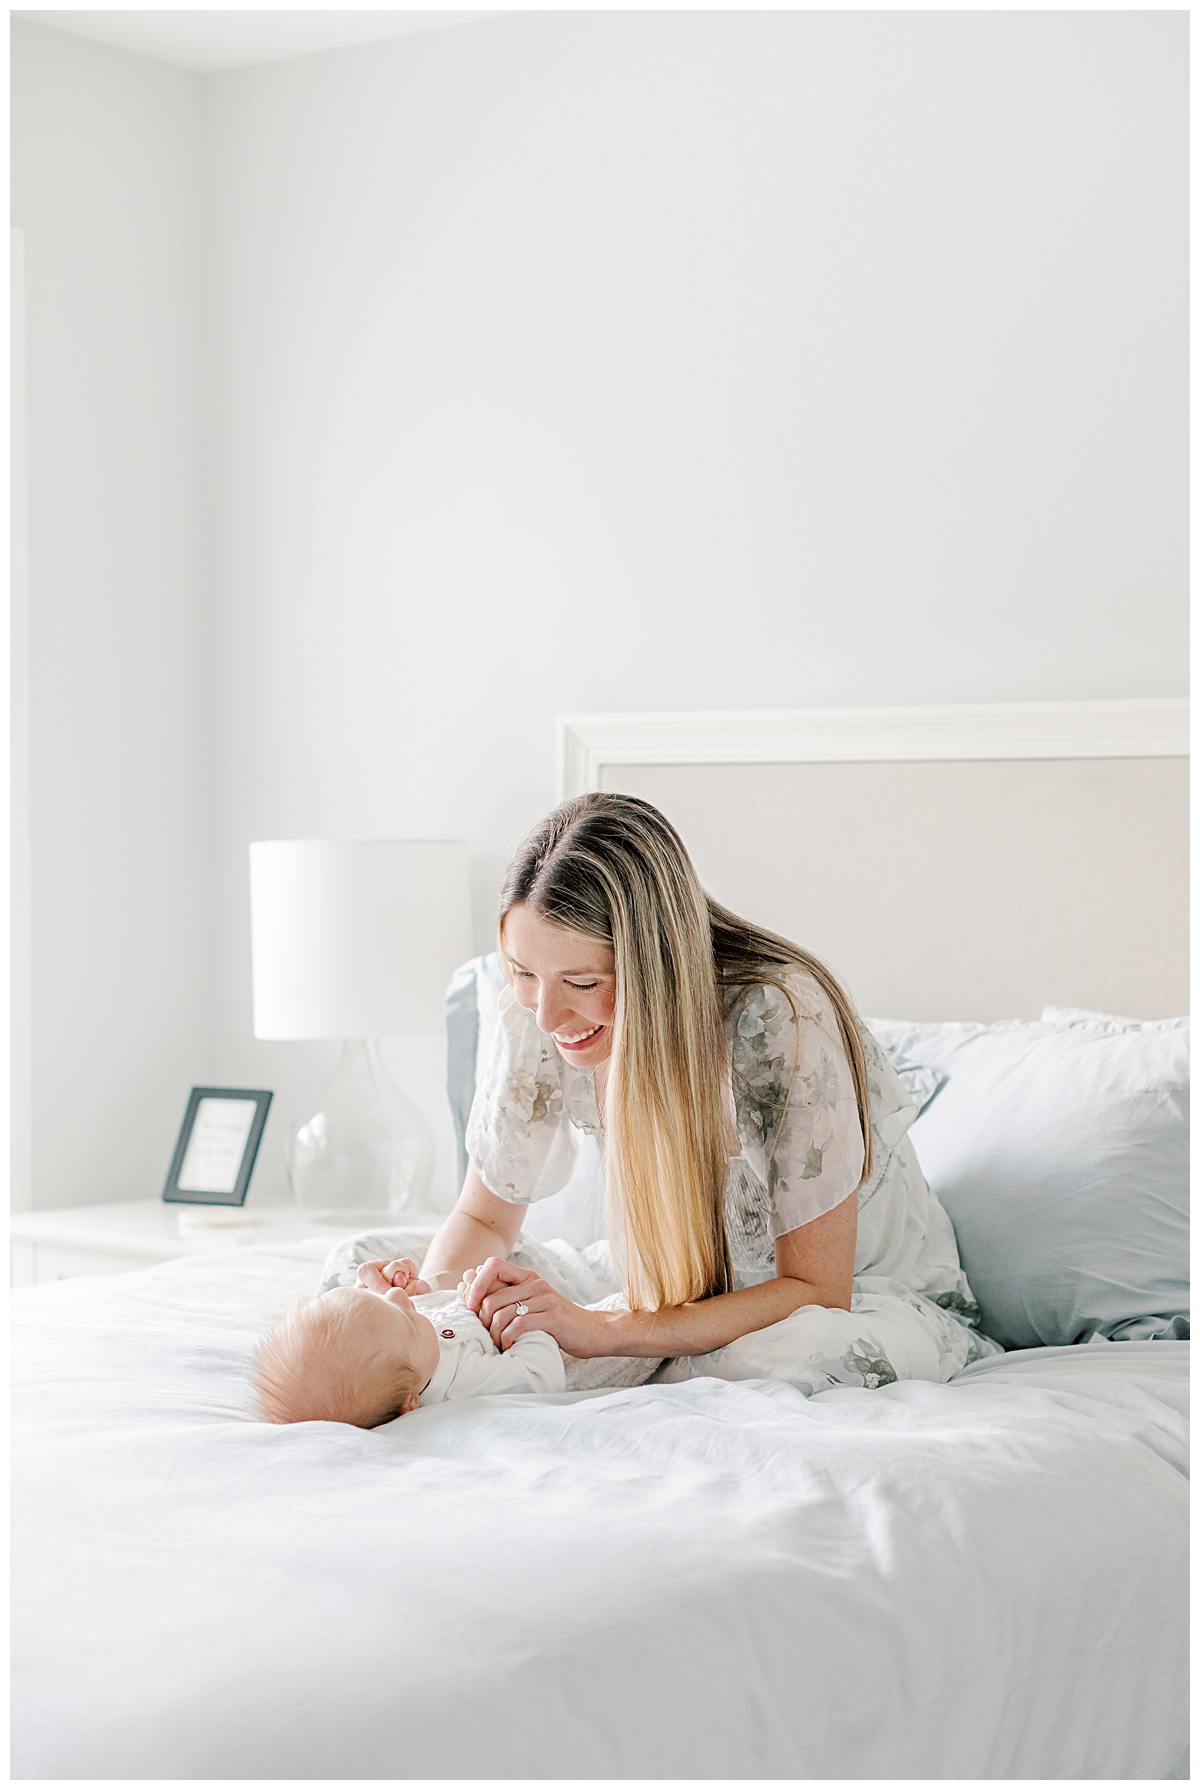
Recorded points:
(371, 1275)
(404, 1274)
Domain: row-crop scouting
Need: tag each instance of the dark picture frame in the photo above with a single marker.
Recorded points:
(217, 1147)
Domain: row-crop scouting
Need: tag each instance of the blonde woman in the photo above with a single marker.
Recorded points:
(765, 1209)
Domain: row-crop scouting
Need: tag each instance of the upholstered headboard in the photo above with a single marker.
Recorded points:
(967, 862)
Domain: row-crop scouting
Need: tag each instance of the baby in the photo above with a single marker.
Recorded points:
(377, 1349)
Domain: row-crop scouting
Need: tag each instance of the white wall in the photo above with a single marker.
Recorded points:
(563, 361)
(106, 174)
(583, 361)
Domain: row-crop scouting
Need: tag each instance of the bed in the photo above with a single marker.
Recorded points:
(703, 1579)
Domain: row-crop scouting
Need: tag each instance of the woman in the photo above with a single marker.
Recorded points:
(762, 1199)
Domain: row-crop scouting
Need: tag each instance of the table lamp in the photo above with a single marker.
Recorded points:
(356, 940)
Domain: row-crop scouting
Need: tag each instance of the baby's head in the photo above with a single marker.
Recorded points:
(348, 1356)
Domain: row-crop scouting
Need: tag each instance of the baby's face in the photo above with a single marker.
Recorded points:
(393, 1323)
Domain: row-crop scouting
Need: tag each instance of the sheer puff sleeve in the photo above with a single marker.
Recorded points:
(797, 1115)
(519, 1138)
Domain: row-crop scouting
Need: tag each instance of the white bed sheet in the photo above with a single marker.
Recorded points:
(700, 1580)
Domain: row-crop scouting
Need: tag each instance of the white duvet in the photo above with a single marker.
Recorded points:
(708, 1579)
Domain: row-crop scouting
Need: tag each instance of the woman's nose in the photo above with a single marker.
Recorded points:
(551, 1011)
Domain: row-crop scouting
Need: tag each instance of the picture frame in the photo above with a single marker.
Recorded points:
(217, 1147)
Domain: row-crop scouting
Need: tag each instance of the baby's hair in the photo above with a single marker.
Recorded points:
(315, 1365)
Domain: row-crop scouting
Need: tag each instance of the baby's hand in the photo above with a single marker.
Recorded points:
(467, 1282)
(407, 1275)
(379, 1276)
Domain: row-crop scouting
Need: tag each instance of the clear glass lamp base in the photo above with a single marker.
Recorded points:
(367, 1153)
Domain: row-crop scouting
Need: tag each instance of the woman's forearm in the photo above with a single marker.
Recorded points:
(708, 1323)
(463, 1242)
(481, 1225)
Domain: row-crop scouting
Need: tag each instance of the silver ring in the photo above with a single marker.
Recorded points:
(522, 1309)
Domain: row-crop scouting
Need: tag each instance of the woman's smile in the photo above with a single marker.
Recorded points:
(580, 1041)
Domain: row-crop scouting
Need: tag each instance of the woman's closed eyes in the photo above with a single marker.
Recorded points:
(527, 976)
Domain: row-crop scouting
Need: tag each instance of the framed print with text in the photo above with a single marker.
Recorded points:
(218, 1142)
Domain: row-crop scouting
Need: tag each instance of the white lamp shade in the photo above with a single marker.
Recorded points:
(355, 938)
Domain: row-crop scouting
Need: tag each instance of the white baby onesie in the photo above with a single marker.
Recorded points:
(471, 1366)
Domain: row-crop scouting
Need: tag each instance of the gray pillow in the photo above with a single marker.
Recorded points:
(1060, 1152)
(470, 1020)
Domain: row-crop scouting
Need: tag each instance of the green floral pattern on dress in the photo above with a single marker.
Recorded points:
(863, 1364)
(966, 1309)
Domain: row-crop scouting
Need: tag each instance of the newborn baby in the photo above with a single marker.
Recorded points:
(374, 1350)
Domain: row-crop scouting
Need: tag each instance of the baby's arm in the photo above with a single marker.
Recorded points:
(533, 1364)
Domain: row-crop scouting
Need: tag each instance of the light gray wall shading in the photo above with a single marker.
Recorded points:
(107, 190)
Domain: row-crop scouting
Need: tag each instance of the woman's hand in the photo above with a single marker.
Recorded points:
(494, 1291)
(379, 1277)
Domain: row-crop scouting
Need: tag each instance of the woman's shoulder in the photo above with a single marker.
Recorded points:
(763, 1013)
(778, 1031)
(792, 998)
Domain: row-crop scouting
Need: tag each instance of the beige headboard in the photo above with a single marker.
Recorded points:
(967, 862)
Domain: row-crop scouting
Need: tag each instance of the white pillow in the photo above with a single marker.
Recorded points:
(1060, 1152)
(1069, 1016)
(889, 1031)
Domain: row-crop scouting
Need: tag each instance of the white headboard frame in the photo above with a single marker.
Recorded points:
(1136, 727)
(974, 861)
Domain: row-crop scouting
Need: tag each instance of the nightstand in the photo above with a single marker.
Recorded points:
(110, 1239)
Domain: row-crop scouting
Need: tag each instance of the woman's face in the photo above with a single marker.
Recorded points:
(568, 983)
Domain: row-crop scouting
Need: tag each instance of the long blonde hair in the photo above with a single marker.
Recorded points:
(612, 868)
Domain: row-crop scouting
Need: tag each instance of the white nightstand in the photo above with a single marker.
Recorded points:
(127, 1234)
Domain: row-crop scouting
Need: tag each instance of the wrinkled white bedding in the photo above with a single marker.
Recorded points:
(983, 1579)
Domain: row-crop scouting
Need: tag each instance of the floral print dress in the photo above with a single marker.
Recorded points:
(801, 1154)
